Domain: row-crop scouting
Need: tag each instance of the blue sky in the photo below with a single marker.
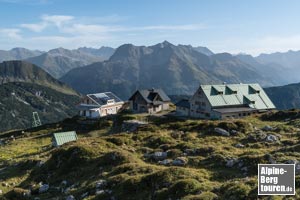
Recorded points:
(256, 26)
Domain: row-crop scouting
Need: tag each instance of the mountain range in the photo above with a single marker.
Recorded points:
(289, 62)
(58, 61)
(18, 54)
(285, 97)
(176, 69)
(26, 88)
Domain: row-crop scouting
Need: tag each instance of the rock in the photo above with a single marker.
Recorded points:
(257, 136)
(180, 161)
(159, 155)
(267, 128)
(231, 162)
(101, 184)
(43, 188)
(70, 197)
(100, 192)
(64, 183)
(165, 162)
(1, 192)
(84, 195)
(239, 145)
(222, 132)
(40, 163)
(190, 152)
(234, 132)
(271, 138)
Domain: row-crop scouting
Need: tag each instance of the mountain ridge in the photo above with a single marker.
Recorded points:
(178, 69)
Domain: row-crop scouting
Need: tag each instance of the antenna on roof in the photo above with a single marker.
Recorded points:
(36, 120)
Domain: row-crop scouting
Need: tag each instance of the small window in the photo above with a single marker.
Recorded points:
(220, 92)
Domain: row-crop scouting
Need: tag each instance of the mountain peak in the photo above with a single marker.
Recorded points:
(204, 50)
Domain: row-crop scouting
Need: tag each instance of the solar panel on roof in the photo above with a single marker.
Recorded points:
(101, 95)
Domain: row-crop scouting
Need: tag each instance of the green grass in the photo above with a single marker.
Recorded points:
(103, 152)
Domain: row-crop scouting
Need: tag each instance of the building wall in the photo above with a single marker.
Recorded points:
(235, 115)
(165, 106)
(182, 111)
(200, 106)
(101, 111)
(110, 109)
(138, 104)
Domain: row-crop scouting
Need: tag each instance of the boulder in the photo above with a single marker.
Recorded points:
(101, 184)
(165, 162)
(70, 197)
(234, 132)
(100, 192)
(267, 128)
(160, 155)
(231, 162)
(257, 136)
(40, 163)
(43, 188)
(84, 195)
(180, 161)
(239, 145)
(222, 132)
(271, 138)
(64, 183)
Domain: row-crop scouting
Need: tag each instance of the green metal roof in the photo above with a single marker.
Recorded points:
(241, 94)
(64, 137)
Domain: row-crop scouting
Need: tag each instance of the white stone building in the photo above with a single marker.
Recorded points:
(99, 105)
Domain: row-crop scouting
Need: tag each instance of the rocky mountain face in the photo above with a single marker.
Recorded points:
(19, 100)
(21, 71)
(204, 50)
(176, 69)
(271, 71)
(288, 61)
(285, 97)
(26, 88)
(59, 61)
(18, 54)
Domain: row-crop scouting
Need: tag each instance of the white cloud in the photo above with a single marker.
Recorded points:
(58, 20)
(70, 32)
(35, 27)
(11, 33)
